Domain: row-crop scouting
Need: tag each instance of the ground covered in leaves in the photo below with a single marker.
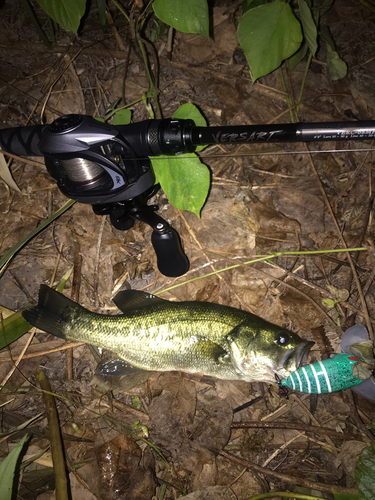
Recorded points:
(260, 201)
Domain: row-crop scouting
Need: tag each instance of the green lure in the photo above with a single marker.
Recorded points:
(321, 377)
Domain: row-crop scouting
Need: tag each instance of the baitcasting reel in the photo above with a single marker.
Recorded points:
(108, 166)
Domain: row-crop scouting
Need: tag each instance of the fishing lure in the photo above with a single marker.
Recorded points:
(321, 377)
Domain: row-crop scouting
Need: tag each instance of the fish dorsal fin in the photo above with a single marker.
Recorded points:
(128, 300)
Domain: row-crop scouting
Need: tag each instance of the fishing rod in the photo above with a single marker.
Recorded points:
(108, 166)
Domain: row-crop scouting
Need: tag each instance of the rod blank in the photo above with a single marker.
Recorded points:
(294, 132)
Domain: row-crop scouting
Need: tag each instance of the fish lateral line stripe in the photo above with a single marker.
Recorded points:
(307, 379)
(326, 376)
(316, 378)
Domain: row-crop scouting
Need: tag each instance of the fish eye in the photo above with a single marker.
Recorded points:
(282, 338)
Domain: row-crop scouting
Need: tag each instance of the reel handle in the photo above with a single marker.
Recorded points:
(172, 261)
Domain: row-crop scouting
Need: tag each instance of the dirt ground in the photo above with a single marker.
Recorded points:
(260, 202)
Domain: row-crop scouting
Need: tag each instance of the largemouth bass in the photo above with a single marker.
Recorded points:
(158, 335)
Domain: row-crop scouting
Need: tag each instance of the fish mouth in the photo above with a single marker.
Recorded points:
(295, 358)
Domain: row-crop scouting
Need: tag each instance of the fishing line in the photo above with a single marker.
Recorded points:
(255, 153)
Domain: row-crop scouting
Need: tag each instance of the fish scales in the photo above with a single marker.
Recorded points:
(181, 335)
(155, 334)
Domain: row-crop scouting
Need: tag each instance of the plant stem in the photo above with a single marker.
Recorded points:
(150, 79)
(260, 259)
(368, 5)
(287, 494)
(122, 107)
(292, 117)
(9, 254)
(304, 79)
(121, 10)
(154, 90)
(55, 438)
(30, 12)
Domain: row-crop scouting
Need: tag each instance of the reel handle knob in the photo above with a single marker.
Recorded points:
(172, 261)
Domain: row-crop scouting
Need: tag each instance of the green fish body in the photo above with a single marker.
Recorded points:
(158, 335)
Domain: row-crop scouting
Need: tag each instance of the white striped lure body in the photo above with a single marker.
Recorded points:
(321, 377)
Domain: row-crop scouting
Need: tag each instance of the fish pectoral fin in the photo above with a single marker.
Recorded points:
(225, 359)
(128, 300)
(117, 368)
(208, 349)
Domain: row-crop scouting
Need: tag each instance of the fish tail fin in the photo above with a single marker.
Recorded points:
(47, 315)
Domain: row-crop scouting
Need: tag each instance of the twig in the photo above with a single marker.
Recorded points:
(122, 406)
(285, 494)
(24, 160)
(295, 426)
(44, 351)
(282, 447)
(20, 357)
(97, 255)
(115, 32)
(343, 242)
(358, 421)
(330, 488)
(201, 249)
(300, 292)
(55, 438)
(313, 419)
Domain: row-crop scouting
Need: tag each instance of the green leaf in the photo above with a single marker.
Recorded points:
(67, 13)
(336, 66)
(184, 179)
(136, 402)
(268, 34)
(298, 56)
(101, 11)
(8, 470)
(250, 4)
(365, 473)
(189, 111)
(12, 328)
(326, 6)
(309, 27)
(188, 16)
(331, 303)
(21, 426)
(122, 117)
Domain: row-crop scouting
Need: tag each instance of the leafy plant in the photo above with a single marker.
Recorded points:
(365, 473)
(268, 32)
(8, 469)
